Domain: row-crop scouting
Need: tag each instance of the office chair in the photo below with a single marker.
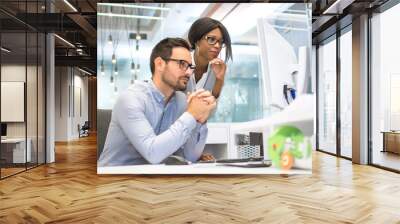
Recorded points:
(84, 130)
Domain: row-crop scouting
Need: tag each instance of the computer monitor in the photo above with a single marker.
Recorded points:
(284, 72)
(3, 129)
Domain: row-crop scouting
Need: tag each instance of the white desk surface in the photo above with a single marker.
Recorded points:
(202, 168)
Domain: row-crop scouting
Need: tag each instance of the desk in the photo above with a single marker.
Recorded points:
(197, 168)
(391, 141)
(18, 149)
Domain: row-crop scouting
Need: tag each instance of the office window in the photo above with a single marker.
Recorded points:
(13, 86)
(327, 95)
(242, 87)
(22, 92)
(346, 93)
(385, 84)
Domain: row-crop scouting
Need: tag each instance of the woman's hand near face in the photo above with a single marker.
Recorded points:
(218, 66)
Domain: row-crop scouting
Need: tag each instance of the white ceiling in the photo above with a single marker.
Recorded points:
(240, 20)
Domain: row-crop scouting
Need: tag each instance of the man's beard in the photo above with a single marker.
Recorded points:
(174, 85)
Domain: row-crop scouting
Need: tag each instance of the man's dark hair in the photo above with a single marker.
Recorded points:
(164, 49)
(203, 26)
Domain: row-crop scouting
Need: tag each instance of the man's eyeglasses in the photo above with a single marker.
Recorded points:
(213, 40)
(184, 65)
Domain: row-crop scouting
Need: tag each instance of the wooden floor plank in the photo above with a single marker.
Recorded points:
(70, 191)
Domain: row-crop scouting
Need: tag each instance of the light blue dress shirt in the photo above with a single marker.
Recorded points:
(144, 130)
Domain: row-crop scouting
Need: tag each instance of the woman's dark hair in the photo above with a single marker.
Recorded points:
(204, 25)
(164, 49)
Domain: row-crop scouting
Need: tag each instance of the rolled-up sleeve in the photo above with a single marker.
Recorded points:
(130, 114)
(195, 144)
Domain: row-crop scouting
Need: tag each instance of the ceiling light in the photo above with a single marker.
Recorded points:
(70, 5)
(110, 39)
(138, 37)
(113, 59)
(5, 50)
(138, 68)
(134, 6)
(111, 80)
(86, 72)
(129, 16)
(102, 68)
(338, 6)
(244, 17)
(116, 71)
(64, 40)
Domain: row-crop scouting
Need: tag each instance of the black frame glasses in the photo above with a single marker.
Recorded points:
(211, 40)
(184, 65)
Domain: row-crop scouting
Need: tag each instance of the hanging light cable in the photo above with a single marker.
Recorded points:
(133, 67)
(138, 68)
(110, 39)
(112, 82)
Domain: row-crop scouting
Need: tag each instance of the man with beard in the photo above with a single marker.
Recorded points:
(153, 120)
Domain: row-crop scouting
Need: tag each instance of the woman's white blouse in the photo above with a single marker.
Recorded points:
(206, 82)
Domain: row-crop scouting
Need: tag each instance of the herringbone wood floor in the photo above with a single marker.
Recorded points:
(70, 191)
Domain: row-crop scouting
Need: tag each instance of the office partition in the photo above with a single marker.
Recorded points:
(22, 77)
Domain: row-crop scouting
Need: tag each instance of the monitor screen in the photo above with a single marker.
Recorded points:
(284, 66)
(3, 129)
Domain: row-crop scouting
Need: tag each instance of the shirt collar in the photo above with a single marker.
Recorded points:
(158, 95)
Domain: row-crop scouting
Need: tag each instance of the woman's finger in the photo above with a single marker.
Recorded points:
(209, 99)
(204, 94)
(217, 61)
(193, 94)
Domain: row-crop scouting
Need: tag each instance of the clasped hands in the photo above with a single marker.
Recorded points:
(200, 104)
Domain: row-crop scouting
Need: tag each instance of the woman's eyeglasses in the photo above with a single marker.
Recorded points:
(213, 40)
(184, 65)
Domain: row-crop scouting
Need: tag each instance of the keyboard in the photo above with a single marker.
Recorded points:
(240, 160)
(250, 164)
(243, 160)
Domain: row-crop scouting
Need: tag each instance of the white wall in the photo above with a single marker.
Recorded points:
(69, 85)
(80, 83)
(33, 127)
(12, 73)
(61, 103)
